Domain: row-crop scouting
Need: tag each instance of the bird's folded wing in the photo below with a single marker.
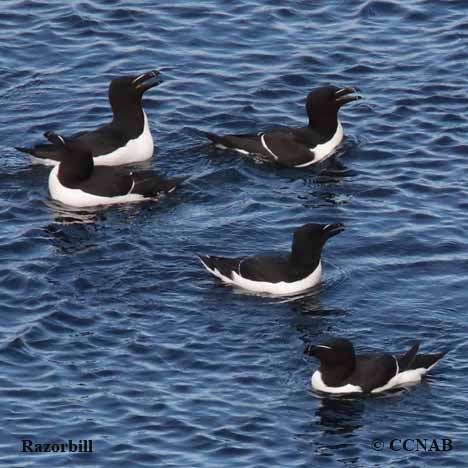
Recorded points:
(269, 269)
(104, 140)
(107, 181)
(287, 149)
(373, 370)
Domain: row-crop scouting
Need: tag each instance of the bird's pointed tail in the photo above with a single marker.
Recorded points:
(405, 361)
(45, 152)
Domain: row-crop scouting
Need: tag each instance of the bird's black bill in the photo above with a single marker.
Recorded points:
(345, 95)
(147, 81)
(331, 230)
(54, 138)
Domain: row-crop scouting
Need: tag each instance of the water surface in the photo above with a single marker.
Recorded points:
(112, 331)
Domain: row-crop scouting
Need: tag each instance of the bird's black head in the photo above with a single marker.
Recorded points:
(126, 92)
(323, 104)
(133, 86)
(77, 163)
(309, 239)
(335, 352)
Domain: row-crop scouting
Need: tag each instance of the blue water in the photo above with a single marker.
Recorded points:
(111, 330)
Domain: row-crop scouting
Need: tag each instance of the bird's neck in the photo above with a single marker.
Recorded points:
(334, 376)
(325, 124)
(75, 170)
(306, 263)
(129, 118)
(306, 258)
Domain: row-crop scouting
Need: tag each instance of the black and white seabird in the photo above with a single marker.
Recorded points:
(75, 181)
(298, 147)
(279, 275)
(125, 140)
(342, 371)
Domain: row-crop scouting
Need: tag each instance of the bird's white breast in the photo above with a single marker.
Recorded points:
(318, 383)
(281, 288)
(139, 149)
(408, 377)
(324, 150)
(80, 199)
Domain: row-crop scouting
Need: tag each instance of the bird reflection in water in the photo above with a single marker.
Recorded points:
(73, 229)
(338, 419)
(340, 415)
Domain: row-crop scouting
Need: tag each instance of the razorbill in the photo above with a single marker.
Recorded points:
(342, 371)
(125, 140)
(280, 275)
(298, 147)
(75, 181)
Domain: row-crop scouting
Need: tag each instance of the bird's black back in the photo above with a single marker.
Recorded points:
(105, 181)
(273, 269)
(103, 140)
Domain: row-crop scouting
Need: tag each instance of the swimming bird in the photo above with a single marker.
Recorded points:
(126, 139)
(298, 147)
(281, 275)
(342, 371)
(75, 181)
